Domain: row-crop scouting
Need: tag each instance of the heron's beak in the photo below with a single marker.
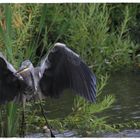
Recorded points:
(22, 70)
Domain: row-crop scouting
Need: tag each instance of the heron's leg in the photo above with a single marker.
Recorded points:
(23, 123)
(43, 113)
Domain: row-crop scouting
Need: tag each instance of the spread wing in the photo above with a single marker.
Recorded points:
(63, 69)
(10, 84)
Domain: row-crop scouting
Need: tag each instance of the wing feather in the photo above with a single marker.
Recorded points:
(63, 69)
(10, 84)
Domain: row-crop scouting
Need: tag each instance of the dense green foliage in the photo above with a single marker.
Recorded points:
(105, 36)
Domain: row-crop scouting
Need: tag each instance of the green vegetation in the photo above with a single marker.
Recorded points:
(9, 119)
(103, 34)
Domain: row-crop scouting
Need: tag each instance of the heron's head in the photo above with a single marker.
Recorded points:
(25, 66)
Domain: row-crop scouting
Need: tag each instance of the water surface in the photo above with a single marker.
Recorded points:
(126, 88)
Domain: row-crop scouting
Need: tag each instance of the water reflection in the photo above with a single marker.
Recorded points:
(126, 88)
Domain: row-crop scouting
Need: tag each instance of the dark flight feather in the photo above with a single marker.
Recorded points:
(10, 84)
(65, 70)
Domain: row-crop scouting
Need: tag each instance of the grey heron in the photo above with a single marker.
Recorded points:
(60, 69)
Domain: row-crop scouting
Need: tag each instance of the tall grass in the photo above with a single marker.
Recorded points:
(9, 120)
(96, 31)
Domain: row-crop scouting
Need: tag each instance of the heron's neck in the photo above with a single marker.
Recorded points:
(33, 81)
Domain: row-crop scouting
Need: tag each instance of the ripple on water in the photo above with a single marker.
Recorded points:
(126, 133)
(126, 88)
